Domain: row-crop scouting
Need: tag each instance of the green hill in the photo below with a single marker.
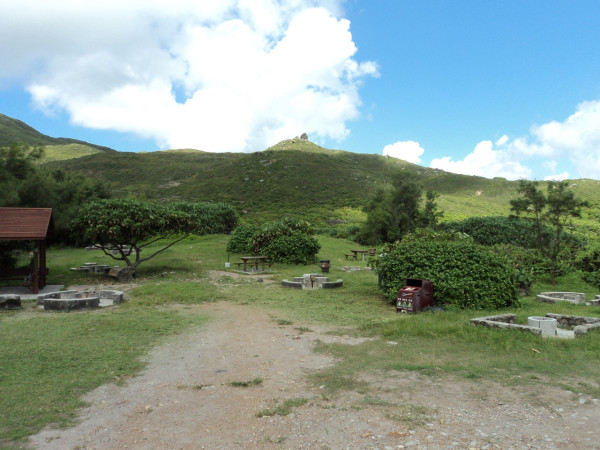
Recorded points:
(13, 131)
(295, 177)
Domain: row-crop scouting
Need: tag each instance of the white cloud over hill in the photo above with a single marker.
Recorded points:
(575, 141)
(228, 75)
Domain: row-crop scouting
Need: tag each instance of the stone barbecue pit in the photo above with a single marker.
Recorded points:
(312, 281)
(551, 325)
(73, 300)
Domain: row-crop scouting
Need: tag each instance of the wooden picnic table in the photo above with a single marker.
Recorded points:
(253, 259)
(357, 252)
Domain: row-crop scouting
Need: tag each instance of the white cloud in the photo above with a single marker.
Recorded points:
(410, 151)
(576, 140)
(485, 161)
(557, 177)
(252, 72)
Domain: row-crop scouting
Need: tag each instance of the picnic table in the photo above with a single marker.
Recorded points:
(254, 261)
(361, 252)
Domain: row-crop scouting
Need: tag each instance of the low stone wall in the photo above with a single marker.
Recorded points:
(554, 297)
(292, 284)
(504, 322)
(58, 295)
(110, 294)
(69, 304)
(579, 324)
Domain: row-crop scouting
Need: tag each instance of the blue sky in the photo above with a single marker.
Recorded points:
(491, 88)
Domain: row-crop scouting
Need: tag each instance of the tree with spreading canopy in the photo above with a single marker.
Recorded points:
(128, 227)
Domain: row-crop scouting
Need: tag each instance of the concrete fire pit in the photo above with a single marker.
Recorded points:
(550, 325)
(74, 300)
(312, 281)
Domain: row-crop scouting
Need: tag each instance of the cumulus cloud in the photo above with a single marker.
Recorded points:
(485, 161)
(232, 75)
(576, 140)
(410, 151)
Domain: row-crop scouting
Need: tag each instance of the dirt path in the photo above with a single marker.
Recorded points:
(182, 400)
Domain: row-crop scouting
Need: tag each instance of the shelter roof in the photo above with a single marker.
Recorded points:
(25, 224)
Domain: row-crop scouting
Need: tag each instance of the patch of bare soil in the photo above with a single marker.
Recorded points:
(184, 400)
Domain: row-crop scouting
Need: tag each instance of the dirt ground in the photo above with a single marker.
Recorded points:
(184, 400)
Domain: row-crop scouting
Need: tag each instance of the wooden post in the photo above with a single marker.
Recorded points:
(36, 271)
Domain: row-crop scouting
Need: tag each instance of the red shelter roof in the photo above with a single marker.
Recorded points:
(25, 224)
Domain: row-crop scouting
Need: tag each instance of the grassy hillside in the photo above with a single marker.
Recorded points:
(13, 130)
(295, 177)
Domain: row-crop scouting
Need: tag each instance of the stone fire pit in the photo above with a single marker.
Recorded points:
(73, 300)
(550, 325)
(312, 281)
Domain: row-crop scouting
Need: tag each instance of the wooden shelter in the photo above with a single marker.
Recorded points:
(28, 224)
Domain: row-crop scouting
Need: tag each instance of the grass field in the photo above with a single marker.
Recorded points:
(50, 359)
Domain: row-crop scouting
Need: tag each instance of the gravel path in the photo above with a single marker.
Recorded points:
(184, 400)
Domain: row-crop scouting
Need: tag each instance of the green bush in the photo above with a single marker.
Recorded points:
(588, 260)
(465, 275)
(212, 218)
(287, 241)
(497, 230)
(351, 232)
(242, 238)
(295, 249)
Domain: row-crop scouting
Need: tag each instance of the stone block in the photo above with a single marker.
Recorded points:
(115, 296)
(10, 301)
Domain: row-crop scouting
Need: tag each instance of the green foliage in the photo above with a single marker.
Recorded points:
(392, 214)
(211, 217)
(494, 230)
(287, 240)
(554, 209)
(132, 223)
(294, 249)
(588, 259)
(242, 238)
(24, 183)
(465, 275)
(593, 278)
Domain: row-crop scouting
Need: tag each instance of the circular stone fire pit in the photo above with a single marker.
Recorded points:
(73, 300)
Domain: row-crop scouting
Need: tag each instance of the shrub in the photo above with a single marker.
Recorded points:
(286, 241)
(295, 249)
(242, 238)
(588, 259)
(465, 275)
(212, 218)
(497, 230)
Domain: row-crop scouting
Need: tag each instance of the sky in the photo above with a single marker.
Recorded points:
(491, 88)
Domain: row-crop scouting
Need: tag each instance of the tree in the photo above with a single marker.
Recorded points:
(554, 209)
(392, 214)
(129, 226)
(26, 183)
